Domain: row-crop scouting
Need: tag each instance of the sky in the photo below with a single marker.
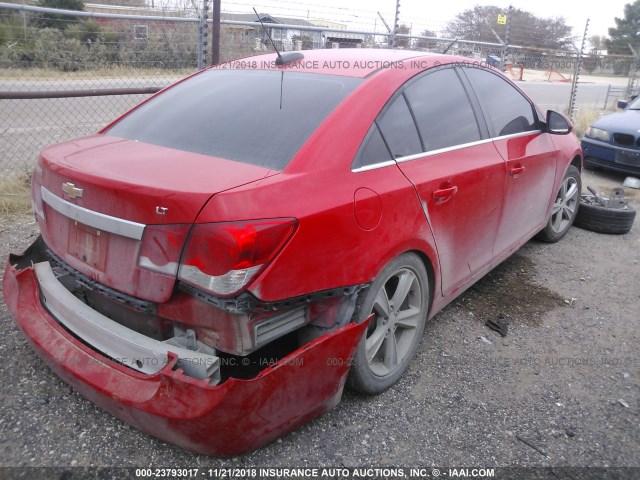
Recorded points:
(435, 15)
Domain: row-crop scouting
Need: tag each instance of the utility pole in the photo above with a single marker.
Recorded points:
(386, 25)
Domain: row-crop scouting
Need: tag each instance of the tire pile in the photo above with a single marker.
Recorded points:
(611, 215)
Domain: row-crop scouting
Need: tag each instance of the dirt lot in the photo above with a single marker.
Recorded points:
(561, 389)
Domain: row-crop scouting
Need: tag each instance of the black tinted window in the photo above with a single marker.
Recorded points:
(252, 116)
(442, 110)
(399, 129)
(505, 109)
(372, 151)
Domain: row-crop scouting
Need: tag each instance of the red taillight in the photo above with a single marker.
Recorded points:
(223, 257)
(161, 248)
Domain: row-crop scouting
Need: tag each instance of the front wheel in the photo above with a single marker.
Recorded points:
(399, 299)
(565, 207)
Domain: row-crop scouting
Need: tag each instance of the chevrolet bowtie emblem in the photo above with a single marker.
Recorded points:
(71, 190)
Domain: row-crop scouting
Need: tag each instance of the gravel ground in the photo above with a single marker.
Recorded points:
(561, 389)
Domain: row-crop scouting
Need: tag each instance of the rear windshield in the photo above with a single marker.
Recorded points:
(252, 116)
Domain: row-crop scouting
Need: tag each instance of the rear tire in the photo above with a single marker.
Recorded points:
(565, 207)
(399, 299)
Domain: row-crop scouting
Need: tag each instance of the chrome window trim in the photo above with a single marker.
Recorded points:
(373, 166)
(516, 135)
(101, 221)
(464, 145)
(430, 153)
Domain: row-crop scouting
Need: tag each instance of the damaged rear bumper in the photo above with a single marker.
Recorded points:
(230, 418)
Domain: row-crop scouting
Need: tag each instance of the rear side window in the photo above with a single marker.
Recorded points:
(442, 110)
(252, 116)
(373, 150)
(399, 129)
(505, 109)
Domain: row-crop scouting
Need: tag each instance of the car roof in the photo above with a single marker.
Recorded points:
(352, 62)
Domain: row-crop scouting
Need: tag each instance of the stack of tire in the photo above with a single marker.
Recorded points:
(604, 219)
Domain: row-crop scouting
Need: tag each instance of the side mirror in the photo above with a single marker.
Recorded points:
(622, 104)
(558, 124)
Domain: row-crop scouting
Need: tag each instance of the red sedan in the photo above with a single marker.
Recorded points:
(216, 264)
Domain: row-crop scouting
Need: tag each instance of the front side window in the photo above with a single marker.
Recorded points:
(259, 117)
(442, 110)
(505, 109)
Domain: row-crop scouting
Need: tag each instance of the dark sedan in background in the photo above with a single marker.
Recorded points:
(613, 141)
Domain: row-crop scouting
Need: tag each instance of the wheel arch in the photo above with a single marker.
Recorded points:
(577, 162)
(431, 275)
(363, 377)
(428, 259)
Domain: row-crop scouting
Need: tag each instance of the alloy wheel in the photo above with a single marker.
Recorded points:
(564, 208)
(398, 311)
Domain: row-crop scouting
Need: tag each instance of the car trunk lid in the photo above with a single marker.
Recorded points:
(97, 195)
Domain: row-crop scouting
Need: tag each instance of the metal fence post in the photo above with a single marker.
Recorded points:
(215, 33)
(631, 84)
(576, 73)
(202, 35)
(395, 25)
(505, 47)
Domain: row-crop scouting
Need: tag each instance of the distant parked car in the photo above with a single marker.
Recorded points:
(215, 265)
(613, 141)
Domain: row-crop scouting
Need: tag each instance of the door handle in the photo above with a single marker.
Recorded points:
(444, 193)
(516, 171)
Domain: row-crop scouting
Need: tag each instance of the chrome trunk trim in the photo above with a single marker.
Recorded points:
(98, 220)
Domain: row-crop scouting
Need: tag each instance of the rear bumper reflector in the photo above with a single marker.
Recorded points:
(276, 327)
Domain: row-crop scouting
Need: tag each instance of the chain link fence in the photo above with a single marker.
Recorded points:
(68, 74)
(53, 55)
